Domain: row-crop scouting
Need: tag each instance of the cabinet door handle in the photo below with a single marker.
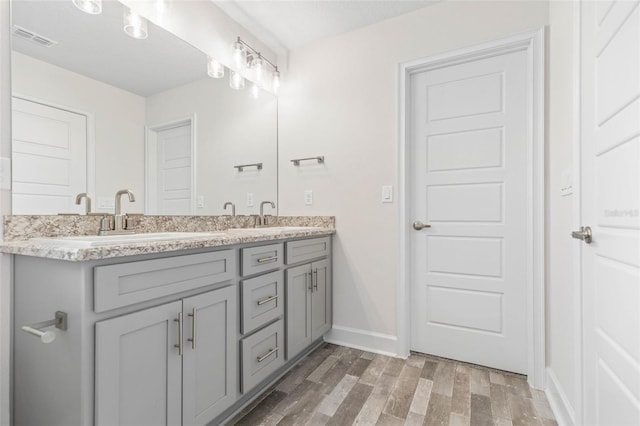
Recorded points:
(267, 259)
(179, 344)
(194, 318)
(267, 300)
(315, 281)
(310, 274)
(267, 355)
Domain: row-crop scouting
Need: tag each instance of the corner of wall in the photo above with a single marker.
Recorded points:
(558, 400)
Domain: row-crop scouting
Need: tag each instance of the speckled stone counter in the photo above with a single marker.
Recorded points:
(19, 230)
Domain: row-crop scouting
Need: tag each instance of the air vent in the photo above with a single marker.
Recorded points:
(25, 34)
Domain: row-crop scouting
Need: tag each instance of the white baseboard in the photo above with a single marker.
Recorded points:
(384, 344)
(560, 405)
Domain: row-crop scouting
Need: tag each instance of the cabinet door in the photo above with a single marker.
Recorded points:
(321, 299)
(138, 369)
(298, 322)
(210, 355)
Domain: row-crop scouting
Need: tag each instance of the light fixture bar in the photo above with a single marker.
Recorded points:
(255, 52)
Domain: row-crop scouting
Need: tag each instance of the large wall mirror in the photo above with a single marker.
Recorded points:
(95, 110)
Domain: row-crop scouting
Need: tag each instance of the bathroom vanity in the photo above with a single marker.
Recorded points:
(154, 337)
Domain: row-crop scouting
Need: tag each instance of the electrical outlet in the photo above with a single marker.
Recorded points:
(387, 194)
(106, 202)
(200, 201)
(308, 197)
(249, 199)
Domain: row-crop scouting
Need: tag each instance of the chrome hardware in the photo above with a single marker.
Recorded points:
(179, 344)
(233, 207)
(59, 321)
(417, 225)
(87, 199)
(320, 159)
(583, 234)
(267, 259)
(315, 282)
(261, 219)
(120, 223)
(193, 315)
(310, 278)
(242, 166)
(267, 300)
(267, 355)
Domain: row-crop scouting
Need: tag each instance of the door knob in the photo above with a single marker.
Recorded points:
(417, 225)
(583, 234)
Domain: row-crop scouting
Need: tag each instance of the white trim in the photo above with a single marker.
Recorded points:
(150, 141)
(558, 401)
(91, 135)
(384, 344)
(533, 42)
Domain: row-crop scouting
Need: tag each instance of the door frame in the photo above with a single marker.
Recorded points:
(90, 153)
(533, 43)
(150, 151)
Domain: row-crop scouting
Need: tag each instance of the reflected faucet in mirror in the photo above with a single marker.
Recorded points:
(233, 207)
(87, 198)
(121, 225)
(261, 219)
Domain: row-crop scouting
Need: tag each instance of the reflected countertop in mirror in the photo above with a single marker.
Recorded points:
(144, 114)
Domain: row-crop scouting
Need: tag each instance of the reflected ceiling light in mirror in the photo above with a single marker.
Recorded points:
(93, 7)
(214, 68)
(239, 55)
(258, 67)
(135, 25)
(236, 81)
(276, 81)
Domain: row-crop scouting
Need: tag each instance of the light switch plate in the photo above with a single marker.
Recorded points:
(308, 197)
(249, 199)
(106, 203)
(566, 185)
(387, 194)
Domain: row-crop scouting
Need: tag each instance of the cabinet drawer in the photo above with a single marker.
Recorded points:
(262, 353)
(134, 282)
(261, 259)
(262, 300)
(302, 250)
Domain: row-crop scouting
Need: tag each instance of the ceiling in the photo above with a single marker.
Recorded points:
(291, 24)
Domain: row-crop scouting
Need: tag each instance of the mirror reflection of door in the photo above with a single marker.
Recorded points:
(49, 148)
(170, 175)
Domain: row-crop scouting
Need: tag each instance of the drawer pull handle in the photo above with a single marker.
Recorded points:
(179, 344)
(267, 300)
(194, 317)
(310, 274)
(268, 259)
(267, 355)
(315, 281)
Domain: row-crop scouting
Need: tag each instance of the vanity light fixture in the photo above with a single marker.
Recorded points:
(244, 55)
(135, 25)
(93, 7)
(214, 68)
(236, 81)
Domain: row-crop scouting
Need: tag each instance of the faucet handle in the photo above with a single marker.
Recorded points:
(105, 223)
(129, 222)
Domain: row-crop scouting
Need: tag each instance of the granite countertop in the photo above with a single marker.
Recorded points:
(39, 248)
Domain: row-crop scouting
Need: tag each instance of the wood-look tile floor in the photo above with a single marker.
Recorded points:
(336, 385)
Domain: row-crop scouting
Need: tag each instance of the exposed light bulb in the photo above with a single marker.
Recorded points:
(239, 56)
(214, 68)
(236, 81)
(276, 81)
(94, 7)
(258, 65)
(255, 91)
(134, 24)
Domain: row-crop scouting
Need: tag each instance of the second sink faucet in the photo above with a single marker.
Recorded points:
(233, 207)
(87, 199)
(261, 219)
(119, 217)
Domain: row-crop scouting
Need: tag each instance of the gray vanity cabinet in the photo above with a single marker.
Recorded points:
(169, 365)
(308, 289)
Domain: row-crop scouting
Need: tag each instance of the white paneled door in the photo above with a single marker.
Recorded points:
(469, 130)
(49, 147)
(610, 207)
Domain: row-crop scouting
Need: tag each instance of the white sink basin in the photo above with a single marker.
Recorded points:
(107, 240)
(275, 229)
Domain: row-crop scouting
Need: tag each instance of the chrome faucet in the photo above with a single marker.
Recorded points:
(233, 207)
(261, 219)
(87, 199)
(119, 218)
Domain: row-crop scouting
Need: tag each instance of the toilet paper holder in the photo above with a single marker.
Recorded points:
(59, 321)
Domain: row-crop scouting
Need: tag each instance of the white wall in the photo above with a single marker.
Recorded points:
(232, 128)
(119, 122)
(340, 99)
(563, 295)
